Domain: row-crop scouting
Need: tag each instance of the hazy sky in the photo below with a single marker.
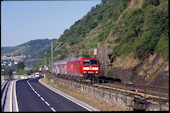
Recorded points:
(22, 21)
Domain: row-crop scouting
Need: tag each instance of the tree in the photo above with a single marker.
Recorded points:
(151, 2)
(93, 8)
(20, 65)
(9, 72)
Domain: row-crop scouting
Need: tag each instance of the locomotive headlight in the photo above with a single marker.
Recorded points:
(96, 71)
(95, 68)
(86, 68)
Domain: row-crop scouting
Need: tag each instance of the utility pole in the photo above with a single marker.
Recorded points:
(52, 57)
(57, 48)
(49, 64)
(98, 45)
(45, 62)
(105, 61)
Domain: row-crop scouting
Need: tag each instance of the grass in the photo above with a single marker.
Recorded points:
(93, 101)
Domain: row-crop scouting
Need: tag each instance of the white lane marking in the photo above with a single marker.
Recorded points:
(15, 97)
(53, 89)
(10, 107)
(47, 103)
(2, 86)
(38, 95)
(4, 94)
(33, 89)
(53, 109)
(41, 97)
(35, 92)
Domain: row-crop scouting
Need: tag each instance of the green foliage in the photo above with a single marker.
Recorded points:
(84, 52)
(99, 14)
(140, 30)
(21, 72)
(146, 32)
(81, 46)
(34, 50)
(93, 43)
(150, 2)
(103, 35)
(20, 66)
(121, 50)
(92, 24)
(7, 72)
(163, 46)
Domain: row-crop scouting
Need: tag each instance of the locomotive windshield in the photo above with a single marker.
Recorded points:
(86, 62)
(90, 62)
(93, 62)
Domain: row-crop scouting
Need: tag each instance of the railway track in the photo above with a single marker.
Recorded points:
(148, 93)
(138, 93)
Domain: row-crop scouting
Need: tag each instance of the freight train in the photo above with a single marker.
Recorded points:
(79, 67)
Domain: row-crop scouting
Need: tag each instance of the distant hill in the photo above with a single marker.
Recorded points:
(34, 50)
(3, 48)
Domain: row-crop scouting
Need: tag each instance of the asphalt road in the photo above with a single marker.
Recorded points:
(33, 96)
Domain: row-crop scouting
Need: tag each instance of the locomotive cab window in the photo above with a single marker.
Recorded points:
(86, 62)
(93, 62)
(90, 62)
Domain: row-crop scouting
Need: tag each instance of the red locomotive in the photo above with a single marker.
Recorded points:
(78, 67)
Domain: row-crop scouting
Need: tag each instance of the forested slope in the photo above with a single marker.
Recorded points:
(136, 31)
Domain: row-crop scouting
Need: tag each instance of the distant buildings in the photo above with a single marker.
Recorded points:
(8, 61)
(15, 58)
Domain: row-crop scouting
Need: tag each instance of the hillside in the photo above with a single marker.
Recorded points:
(135, 31)
(34, 50)
(3, 48)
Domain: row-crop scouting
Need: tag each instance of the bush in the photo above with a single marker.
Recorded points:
(150, 2)
(163, 47)
(146, 32)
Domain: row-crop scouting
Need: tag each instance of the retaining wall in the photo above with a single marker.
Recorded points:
(110, 96)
